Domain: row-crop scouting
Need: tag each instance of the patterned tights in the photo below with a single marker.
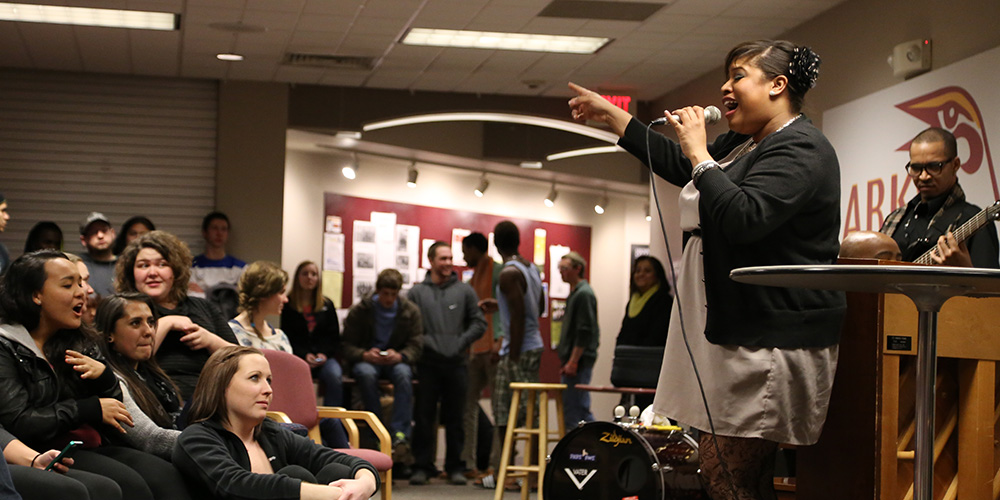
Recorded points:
(749, 461)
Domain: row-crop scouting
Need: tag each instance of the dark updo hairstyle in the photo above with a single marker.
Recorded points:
(121, 240)
(780, 58)
(110, 310)
(661, 275)
(33, 242)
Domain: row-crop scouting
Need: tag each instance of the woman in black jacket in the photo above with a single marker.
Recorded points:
(765, 193)
(55, 386)
(647, 317)
(231, 450)
(310, 321)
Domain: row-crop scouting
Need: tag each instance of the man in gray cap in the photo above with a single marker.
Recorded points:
(4, 217)
(97, 236)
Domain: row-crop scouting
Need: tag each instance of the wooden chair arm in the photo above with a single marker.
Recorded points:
(279, 416)
(385, 443)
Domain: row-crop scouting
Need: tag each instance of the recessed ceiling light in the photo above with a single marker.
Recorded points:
(504, 41)
(82, 16)
(229, 57)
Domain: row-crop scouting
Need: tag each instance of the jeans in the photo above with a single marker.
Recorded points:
(401, 375)
(576, 403)
(331, 375)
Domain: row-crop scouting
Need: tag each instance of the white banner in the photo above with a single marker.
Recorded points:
(872, 137)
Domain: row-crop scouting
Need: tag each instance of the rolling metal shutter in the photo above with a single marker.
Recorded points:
(72, 143)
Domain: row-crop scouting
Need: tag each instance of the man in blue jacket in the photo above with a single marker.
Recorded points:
(452, 322)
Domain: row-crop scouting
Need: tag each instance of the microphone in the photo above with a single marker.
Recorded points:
(712, 115)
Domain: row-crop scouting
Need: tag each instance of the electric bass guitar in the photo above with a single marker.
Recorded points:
(989, 214)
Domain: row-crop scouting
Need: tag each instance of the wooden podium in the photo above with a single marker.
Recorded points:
(865, 451)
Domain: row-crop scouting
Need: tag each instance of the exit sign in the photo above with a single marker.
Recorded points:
(622, 101)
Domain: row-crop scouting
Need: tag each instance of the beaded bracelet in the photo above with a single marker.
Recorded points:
(701, 168)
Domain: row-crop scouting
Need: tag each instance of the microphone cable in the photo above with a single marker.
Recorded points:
(680, 315)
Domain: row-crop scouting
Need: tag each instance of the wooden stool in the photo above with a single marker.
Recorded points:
(536, 393)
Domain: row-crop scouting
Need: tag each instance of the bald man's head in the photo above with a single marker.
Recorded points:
(870, 245)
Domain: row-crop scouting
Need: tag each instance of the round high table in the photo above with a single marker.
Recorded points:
(928, 287)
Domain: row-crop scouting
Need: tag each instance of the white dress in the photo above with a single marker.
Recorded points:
(781, 395)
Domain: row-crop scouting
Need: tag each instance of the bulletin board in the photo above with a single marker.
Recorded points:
(541, 242)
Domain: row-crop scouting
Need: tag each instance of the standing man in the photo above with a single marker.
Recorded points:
(97, 236)
(578, 341)
(519, 303)
(216, 273)
(483, 355)
(4, 217)
(927, 220)
(452, 322)
(382, 338)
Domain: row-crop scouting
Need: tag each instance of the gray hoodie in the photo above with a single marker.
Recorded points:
(451, 316)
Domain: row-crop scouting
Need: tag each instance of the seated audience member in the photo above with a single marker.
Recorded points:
(33, 482)
(90, 306)
(45, 235)
(310, 321)
(383, 337)
(54, 387)
(188, 329)
(262, 294)
(97, 235)
(870, 245)
(216, 273)
(4, 218)
(232, 451)
(131, 229)
(128, 325)
(647, 314)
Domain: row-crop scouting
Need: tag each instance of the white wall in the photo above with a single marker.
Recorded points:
(308, 175)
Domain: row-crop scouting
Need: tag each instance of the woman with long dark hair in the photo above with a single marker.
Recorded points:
(133, 228)
(128, 324)
(54, 386)
(765, 193)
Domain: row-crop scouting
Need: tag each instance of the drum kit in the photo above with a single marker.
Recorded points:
(626, 460)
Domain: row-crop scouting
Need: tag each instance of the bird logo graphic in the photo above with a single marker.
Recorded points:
(954, 109)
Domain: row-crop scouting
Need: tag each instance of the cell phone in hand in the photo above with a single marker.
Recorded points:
(65, 453)
(383, 353)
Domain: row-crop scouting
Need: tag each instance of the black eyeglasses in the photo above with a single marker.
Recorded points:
(932, 168)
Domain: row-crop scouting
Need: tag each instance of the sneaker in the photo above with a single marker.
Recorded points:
(457, 478)
(418, 478)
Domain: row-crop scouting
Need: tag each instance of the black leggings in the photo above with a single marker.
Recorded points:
(328, 474)
(36, 484)
(162, 478)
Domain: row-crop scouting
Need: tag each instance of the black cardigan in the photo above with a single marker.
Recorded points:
(649, 327)
(325, 337)
(216, 465)
(779, 204)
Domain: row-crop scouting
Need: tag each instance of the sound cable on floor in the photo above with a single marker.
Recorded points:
(680, 315)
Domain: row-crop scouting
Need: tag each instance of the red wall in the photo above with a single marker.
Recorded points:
(437, 223)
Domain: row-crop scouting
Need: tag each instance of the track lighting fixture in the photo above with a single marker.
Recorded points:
(601, 205)
(411, 176)
(550, 199)
(648, 216)
(351, 169)
(481, 188)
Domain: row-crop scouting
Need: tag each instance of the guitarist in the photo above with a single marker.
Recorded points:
(928, 219)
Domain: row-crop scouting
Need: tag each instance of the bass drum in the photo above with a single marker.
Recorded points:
(604, 460)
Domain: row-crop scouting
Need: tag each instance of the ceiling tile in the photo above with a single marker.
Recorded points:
(51, 46)
(699, 7)
(14, 52)
(105, 50)
(338, 7)
(316, 22)
(554, 26)
(295, 6)
(343, 78)
(155, 52)
(272, 20)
